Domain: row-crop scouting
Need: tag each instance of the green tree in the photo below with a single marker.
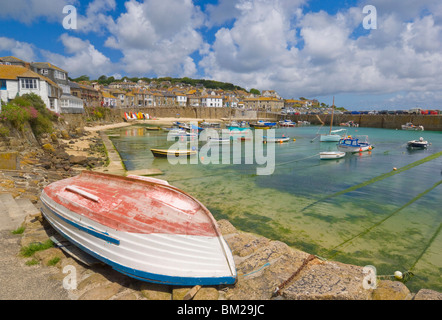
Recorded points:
(255, 91)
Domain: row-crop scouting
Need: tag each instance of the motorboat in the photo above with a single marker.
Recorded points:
(411, 126)
(287, 123)
(417, 144)
(142, 227)
(354, 144)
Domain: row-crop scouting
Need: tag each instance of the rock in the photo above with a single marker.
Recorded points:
(81, 160)
(48, 147)
(47, 255)
(103, 292)
(65, 135)
(153, 291)
(391, 290)
(426, 294)
(328, 281)
(207, 293)
(243, 244)
(226, 227)
(79, 131)
(54, 138)
(179, 293)
(91, 281)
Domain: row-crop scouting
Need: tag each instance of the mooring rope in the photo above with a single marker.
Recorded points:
(281, 287)
(376, 179)
(430, 242)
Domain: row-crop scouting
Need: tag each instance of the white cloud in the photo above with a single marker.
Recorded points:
(157, 37)
(96, 18)
(18, 49)
(27, 11)
(84, 58)
(318, 54)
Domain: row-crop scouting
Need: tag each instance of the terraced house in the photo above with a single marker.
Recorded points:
(16, 80)
(68, 102)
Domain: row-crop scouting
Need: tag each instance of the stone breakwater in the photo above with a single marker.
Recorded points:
(267, 269)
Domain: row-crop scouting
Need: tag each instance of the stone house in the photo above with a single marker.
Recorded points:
(68, 102)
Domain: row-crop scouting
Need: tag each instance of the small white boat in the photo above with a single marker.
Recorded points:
(218, 141)
(329, 155)
(141, 227)
(411, 126)
(417, 144)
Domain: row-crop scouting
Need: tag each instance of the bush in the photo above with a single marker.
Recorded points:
(4, 131)
(16, 115)
(41, 125)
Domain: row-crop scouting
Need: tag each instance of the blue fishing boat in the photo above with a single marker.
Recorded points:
(354, 144)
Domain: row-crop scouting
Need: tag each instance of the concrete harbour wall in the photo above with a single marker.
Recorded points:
(387, 121)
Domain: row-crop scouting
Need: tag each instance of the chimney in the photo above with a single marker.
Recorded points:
(27, 65)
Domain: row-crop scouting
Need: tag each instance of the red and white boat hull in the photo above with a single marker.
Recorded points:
(150, 231)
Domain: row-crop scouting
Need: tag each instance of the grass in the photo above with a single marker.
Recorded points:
(19, 230)
(29, 250)
(53, 261)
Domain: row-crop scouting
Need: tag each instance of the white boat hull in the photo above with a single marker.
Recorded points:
(329, 155)
(330, 138)
(134, 246)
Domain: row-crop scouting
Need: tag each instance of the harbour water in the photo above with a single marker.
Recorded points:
(356, 210)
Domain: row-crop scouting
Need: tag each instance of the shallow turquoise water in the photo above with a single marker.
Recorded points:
(388, 223)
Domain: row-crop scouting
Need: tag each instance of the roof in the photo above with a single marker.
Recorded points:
(46, 65)
(11, 59)
(14, 72)
(107, 94)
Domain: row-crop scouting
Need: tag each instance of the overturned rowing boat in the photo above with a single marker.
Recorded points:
(141, 227)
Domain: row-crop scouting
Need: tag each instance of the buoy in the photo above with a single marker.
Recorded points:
(294, 139)
(360, 150)
(394, 169)
(369, 148)
(398, 275)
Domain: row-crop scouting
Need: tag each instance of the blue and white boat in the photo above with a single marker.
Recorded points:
(354, 144)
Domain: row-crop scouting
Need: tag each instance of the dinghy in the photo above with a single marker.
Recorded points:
(162, 153)
(142, 227)
(330, 155)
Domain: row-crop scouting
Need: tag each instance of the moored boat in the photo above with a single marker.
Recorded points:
(329, 155)
(287, 123)
(354, 144)
(162, 153)
(411, 126)
(146, 229)
(417, 144)
(276, 139)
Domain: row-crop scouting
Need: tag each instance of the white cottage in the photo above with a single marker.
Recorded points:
(18, 80)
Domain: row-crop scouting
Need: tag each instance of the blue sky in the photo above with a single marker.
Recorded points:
(314, 49)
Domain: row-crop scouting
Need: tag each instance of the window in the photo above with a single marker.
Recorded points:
(59, 75)
(28, 83)
(44, 72)
(2, 84)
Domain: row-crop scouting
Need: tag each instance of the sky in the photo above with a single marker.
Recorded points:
(367, 54)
